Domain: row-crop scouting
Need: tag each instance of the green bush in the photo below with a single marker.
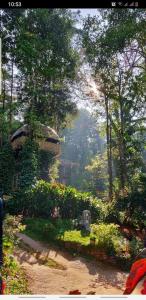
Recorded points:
(40, 200)
(11, 226)
(110, 213)
(7, 168)
(12, 273)
(136, 245)
(46, 230)
(107, 236)
(129, 209)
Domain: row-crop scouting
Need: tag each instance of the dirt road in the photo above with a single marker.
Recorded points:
(79, 273)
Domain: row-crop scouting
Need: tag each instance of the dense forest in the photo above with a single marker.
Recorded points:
(43, 64)
(73, 115)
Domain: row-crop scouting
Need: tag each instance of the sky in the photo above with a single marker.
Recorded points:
(85, 12)
(91, 84)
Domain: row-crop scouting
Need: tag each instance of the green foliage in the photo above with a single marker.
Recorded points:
(76, 237)
(98, 171)
(28, 165)
(129, 209)
(108, 40)
(109, 213)
(4, 125)
(12, 273)
(54, 170)
(7, 168)
(40, 200)
(46, 230)
(46, 163)
(39, 42)
(81, 143)
(107, 236)
(135, 246)
(12, 225)
(132, 201)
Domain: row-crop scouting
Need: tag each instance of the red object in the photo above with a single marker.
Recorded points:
(143, 292)
(138, 270)
(75, 292)
(3, 286)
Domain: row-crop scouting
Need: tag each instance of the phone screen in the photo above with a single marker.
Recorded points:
(73, 149)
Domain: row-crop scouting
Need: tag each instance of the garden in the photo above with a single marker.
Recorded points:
(107, 240)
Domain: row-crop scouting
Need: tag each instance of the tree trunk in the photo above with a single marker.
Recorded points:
(4, 94)
(122, 152)
(3, 108)
(109, 149)
(11, 97)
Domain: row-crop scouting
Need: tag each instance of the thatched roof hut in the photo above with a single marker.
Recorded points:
(46, 137)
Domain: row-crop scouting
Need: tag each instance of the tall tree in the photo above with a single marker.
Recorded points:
(39, 64)
(115, 46)
(42, 51)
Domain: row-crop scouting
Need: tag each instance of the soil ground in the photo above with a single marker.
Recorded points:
(86, 275)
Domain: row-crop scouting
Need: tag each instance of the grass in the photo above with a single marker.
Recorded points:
(53, 264)
(43, 230)
(75, 236)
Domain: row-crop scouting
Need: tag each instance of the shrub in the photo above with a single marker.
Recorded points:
(107, 237)
(12, 225)
(110, 213)
(47, 230)
(7, 163)
(12, 273)
(130, 209)
(40, 200)
(28, 165)
(135, 246)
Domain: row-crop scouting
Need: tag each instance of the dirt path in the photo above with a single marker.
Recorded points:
(79, 273)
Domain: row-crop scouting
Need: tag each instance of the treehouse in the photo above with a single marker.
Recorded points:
(46, 137)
